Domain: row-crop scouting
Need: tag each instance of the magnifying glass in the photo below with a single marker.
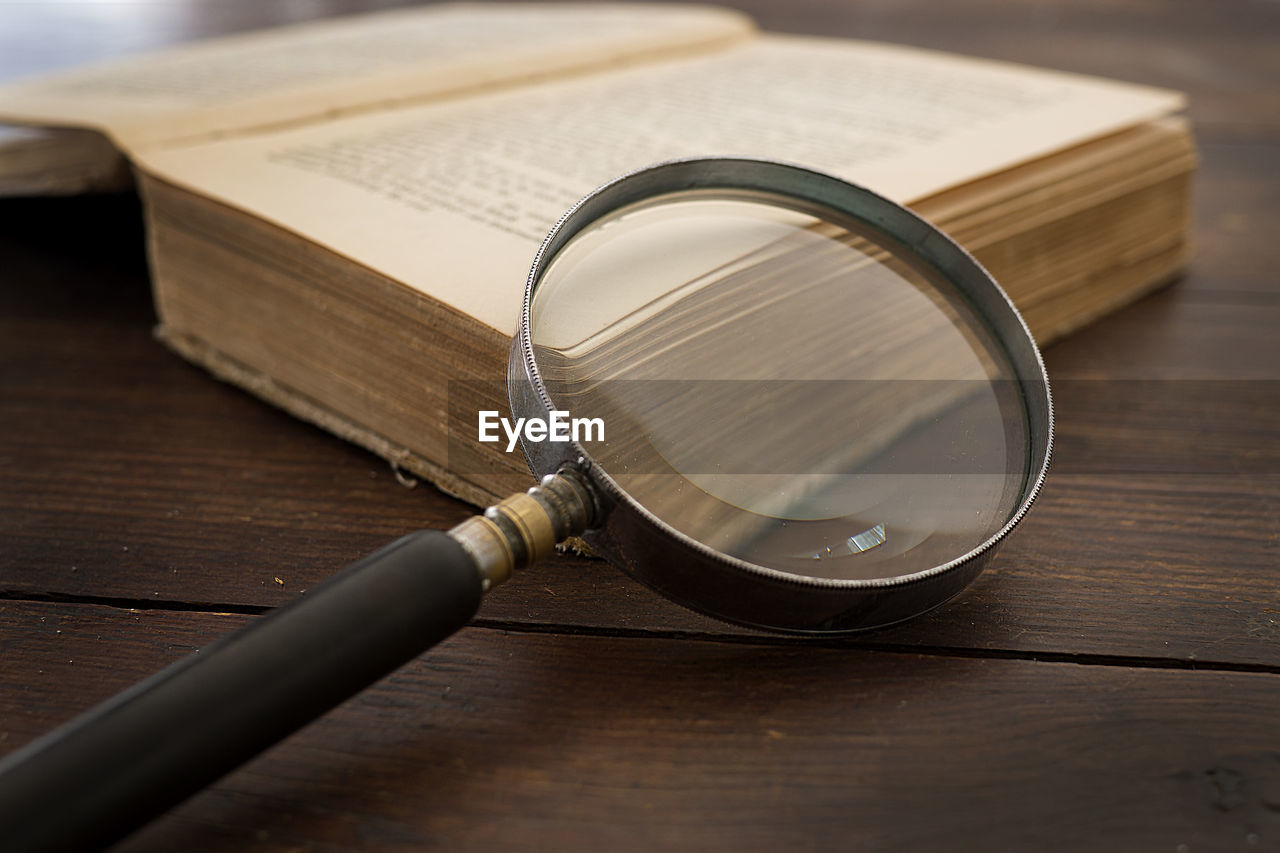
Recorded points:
(771, 395)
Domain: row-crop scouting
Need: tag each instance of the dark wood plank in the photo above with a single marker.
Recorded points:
(1236, 204)
(1177, 335)
(1169, 568)
(501, 740)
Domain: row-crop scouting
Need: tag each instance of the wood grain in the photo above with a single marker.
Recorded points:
(502, 740)
(1110, 682)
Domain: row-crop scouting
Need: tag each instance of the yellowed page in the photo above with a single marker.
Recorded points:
(327, 68)
(452, 198)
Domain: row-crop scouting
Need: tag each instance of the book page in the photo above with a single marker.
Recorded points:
(327, 68)
(453, 198)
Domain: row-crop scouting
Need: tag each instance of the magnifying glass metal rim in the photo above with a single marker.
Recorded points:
(834, 605)
(81, 787)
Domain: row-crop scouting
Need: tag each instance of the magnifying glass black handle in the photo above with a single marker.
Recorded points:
(106, 773)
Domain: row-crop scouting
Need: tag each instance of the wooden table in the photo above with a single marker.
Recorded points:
(1111, 682)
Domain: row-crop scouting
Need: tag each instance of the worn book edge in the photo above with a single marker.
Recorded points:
(304, 408)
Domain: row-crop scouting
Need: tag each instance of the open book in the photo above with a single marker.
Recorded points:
(342, 214)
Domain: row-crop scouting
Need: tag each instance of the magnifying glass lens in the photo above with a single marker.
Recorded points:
(768, 393)
(782, 384)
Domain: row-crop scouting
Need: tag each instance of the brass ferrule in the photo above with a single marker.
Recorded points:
(525, 527)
